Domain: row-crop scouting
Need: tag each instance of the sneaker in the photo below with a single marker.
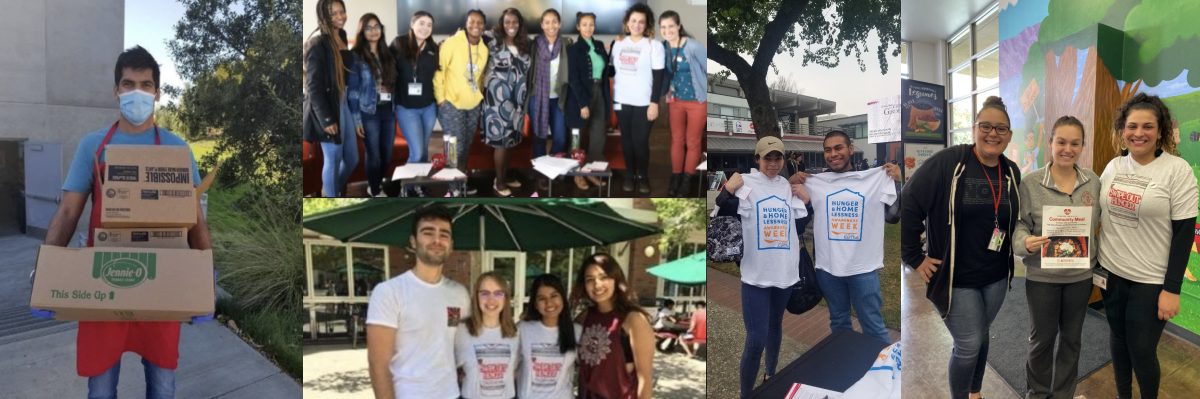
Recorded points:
(643, 184)
(470, 190)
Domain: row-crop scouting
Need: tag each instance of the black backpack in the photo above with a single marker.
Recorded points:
(806, 293)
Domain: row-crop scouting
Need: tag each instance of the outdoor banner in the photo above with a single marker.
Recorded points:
(716, 125)
(916, 154)
(1070, 240)
(923, 111)
(743, 127)
(883, 120)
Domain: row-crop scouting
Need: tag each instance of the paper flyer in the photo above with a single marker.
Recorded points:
(1068, 228)
(800, 391)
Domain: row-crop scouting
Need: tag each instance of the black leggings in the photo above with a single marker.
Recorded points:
(635, 138)
(1132, 311)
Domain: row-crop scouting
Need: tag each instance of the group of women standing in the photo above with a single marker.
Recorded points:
(1144, 204)
(610, 342)
(491, 80)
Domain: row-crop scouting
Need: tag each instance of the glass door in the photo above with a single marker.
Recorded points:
(511, 266)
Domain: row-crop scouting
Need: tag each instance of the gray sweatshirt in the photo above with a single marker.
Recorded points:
(1037, 190)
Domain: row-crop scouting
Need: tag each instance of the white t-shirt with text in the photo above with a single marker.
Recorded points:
(545, 372)
(425, 317)
(771, 246)
(635, 63)
(848, 218)
(489, 362)
(1137, 204)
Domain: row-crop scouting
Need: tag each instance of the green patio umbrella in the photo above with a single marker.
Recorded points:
(686, 270)
(498, 224)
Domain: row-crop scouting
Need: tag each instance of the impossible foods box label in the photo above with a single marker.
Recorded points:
(148, 186)
(170, 237)
(123, 284)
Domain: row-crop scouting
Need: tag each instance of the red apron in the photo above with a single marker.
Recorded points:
(99, 345)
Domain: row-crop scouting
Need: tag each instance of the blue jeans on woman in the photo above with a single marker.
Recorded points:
(558, 129)
(380, 129)
(860, 291)
(160, 382)
(340, 159)
(972, 311)
(416, 124)
(762, 314)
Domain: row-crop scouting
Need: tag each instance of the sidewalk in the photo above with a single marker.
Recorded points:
(37, 356)
(808, 328)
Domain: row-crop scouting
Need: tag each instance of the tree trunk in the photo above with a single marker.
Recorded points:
(762, 110)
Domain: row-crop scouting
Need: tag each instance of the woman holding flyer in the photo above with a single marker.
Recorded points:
(1054, 235)
(1149, 202)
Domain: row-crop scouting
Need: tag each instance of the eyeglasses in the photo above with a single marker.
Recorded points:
(369, 28)
(987, 128)
(485, 294)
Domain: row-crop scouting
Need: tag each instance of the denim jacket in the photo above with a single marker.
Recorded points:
(361, 91)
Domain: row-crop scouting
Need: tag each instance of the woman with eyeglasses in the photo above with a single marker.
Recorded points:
(486, 349)
(965, 200)
(370, 100)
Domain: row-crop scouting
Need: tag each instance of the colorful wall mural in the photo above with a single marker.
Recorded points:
(1083, 58)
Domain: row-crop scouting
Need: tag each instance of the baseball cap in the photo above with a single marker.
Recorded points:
(768, 144)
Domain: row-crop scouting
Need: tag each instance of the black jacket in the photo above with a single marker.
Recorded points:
(427, 66)
(931, 204)
(579, 94)
(321, 102)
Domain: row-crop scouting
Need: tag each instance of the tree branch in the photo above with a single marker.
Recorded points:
(787, 16)
(729, 59)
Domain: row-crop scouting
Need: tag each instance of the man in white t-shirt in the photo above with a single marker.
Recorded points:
(412, 318)
(850, 207)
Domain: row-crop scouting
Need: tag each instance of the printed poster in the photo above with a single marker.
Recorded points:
(774, 223)
(1068, 228)
(915, 156)
(844, 213)
(883, 120)
(922, 111)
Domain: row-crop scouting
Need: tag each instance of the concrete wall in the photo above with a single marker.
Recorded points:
(57, 59)
(926, 63)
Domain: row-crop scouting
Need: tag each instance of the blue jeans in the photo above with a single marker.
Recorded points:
(860, 291)
(558, 129)
(340, 159)
(762, 314)
(380, 129)
(416, 124)
(160, 382)
(972, 311)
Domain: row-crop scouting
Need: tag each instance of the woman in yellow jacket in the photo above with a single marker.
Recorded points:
(456, 86)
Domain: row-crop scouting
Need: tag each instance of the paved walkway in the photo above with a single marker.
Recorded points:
(37, 358)
(808, 328)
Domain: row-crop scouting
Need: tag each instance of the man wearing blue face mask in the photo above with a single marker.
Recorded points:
(100, 344)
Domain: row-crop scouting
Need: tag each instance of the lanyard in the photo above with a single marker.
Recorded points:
(996, 193)
(471, 61)
(420, 47)
(675, 56)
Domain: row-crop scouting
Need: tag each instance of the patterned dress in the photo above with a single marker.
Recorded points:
(504, 97)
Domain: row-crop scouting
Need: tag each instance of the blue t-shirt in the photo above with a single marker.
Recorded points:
(79, 178)
(681, 81)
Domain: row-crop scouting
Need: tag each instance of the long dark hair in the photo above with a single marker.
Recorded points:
(411, 48)
(624, 301)
(325, 26)
(522, 39)
(675, 16)
(362, 47)
(566, 328)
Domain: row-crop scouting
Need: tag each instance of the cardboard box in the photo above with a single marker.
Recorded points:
(168, 237)
(123, 284)
(148, 186)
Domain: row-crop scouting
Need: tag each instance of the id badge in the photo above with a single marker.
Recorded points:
(997, 240)
(385, 96)
(414, 89)
(1100, 278)
(670, 98)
